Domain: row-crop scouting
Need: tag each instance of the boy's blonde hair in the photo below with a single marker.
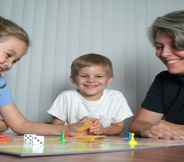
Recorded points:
(9, 28)
(91, 59)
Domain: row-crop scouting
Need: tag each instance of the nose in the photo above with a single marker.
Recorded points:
(90, 79)
(7, 65)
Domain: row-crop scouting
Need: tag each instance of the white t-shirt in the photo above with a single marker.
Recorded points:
(71, 107)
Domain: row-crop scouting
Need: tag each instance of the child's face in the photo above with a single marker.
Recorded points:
(11, 50)
(91, 81)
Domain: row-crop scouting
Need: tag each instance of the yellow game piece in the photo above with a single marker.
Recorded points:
(88, 138)
(85, 126)
(132, 143)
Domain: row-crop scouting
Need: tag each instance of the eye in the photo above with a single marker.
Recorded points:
(8, 55)
(83, 76)
(158, 47)
(99, 76)
(14, 61)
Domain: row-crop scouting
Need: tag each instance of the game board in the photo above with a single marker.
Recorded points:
(53, 146)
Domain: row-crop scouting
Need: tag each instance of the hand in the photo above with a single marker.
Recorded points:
(73, 130)
(96, 127)
(164, 130)
(3, 126)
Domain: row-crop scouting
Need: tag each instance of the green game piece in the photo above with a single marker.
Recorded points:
(62, 138)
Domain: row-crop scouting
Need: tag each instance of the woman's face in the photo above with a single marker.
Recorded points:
(168, 54)
(11, 50)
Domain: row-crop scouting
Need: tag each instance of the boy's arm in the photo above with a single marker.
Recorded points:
(18, 123)
(3, 126)
(114, 129)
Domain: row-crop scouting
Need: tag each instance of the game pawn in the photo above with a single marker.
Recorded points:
(62, 138)
(132, 141)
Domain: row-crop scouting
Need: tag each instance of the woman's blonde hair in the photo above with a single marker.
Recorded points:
(171, 24)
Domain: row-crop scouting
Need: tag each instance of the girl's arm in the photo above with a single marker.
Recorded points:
(18, 123)
(3, 126)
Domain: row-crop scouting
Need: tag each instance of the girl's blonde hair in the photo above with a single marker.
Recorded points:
(9, 28)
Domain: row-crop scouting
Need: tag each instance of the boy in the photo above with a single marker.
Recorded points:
(105, 108)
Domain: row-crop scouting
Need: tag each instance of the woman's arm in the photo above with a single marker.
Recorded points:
(150, 124)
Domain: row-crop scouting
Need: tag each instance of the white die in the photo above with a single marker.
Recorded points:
(37, 140)
(28, 138)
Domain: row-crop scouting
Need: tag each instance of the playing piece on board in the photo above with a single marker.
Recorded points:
(132, 143)
(4, 139)
(89, 138)
(62, 138)
(129, 136)
(86, 125)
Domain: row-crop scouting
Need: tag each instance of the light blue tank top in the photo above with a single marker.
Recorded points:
(5, 95)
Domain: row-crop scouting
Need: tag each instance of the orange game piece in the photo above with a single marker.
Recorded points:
(4, 139)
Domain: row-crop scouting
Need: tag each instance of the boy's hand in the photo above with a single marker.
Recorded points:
(96, 127)
(87, 125)
(76, 129)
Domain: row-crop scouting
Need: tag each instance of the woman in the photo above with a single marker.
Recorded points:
(162, 111)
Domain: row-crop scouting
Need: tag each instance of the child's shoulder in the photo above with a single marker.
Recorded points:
(113, 93)
(68, 93)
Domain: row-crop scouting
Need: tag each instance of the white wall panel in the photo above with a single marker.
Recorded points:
(61, 30)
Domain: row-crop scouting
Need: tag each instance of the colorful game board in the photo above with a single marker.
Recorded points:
(53, 146)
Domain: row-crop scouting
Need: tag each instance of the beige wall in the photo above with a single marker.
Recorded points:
(61, 30)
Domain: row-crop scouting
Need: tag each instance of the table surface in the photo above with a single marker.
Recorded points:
(161, 154)
(165, 154)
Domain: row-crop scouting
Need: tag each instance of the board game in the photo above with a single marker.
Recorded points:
(52, 146)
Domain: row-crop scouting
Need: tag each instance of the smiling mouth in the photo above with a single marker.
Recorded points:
(3, 69)
(172, 61)
(91, 86)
